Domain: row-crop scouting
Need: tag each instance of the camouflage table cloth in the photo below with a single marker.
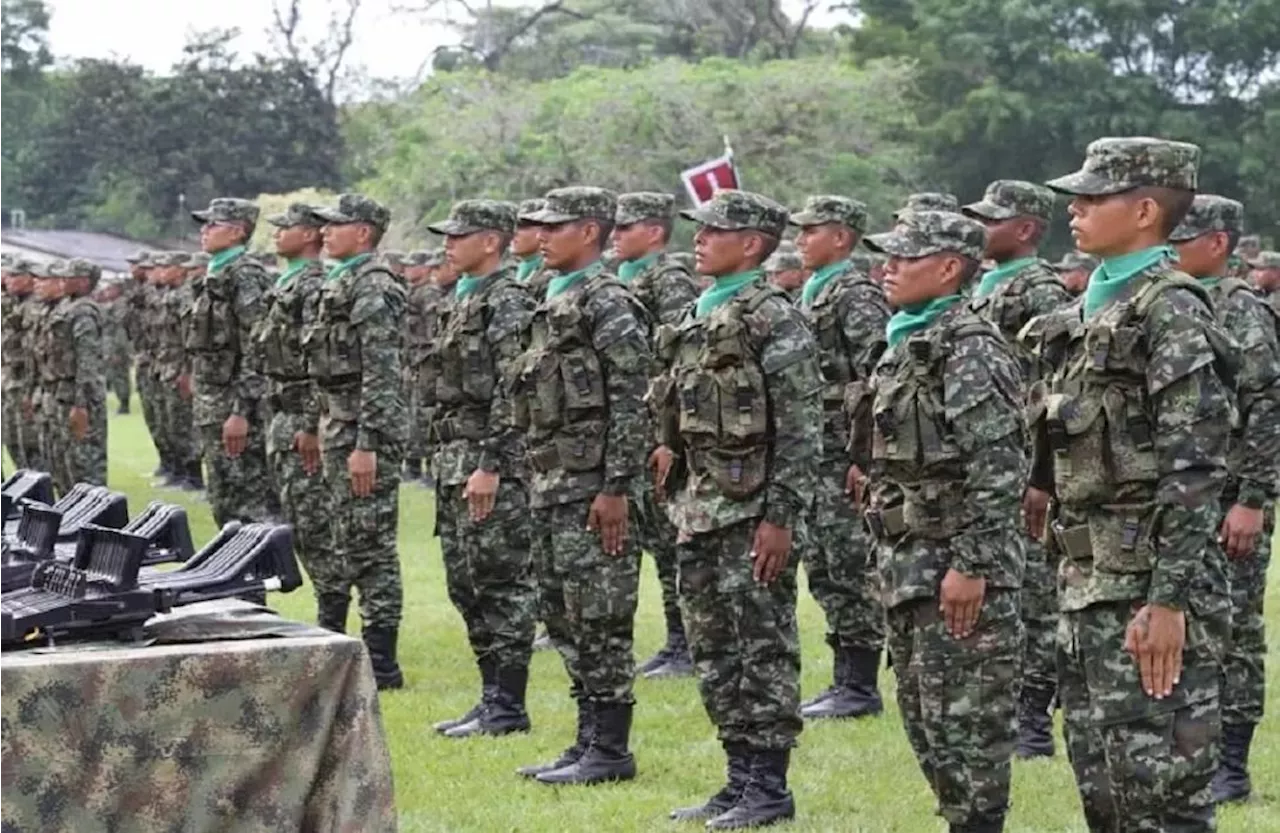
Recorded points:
(249, 733)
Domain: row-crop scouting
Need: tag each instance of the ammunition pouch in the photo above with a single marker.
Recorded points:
(1116, 541)
(886, 524)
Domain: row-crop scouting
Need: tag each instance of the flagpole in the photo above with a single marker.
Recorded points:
(728, 152)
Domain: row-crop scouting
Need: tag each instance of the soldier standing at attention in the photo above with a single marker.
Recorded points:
(35, 311)
(416, 272)
(531, 267)
(138, 298)
(354, 357)
(581, 397)
(1131, 436)
(110, 298)
(482, 507)
(785, 270)
(18, 356)
(1074, 270)
(741, 432)
(947, 477)
(847, 313)
(1265, 276)
(641, 231)
(171, 368)
(1205, 241)
(927, 201)
(427, 310)
(227, 384)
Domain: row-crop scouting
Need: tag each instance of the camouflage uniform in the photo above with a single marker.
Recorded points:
(531, 270)
(741, 410)
(426, 311)
(138, 300)
(353, 352)
(1253, 462)
(226, 377)
(1131, 436)
(488, 565)
(580, 397)
(666, 290)
(1071, 262)
(947, 477)
(119, 353)
(16, 347)
(786, 258)
(847, 313)
(927, 201)
(168, 318)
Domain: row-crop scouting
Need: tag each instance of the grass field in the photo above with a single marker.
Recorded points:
(847, 776)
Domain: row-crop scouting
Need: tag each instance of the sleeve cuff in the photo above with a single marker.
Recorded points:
(616, 486)
(1168, 596)
(1253, 494)
(781, 514)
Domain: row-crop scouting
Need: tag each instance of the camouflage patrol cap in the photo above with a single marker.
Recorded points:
(470, 216)
(1114, 165)
(822, 209)
(356, 208)
(163, 259)
(928, 201)
(581, 202)
(528, 208)
(47, 269)
(80, 267)
(297, 214)
(228, 210)
(197, 260)
(786, 258)
(19, 265)
(435, 257)
(1209, 212)
(1005, 199)
(392, 257)
(1266, 260)
(1072, 261)
(140, 257)
(733, 210)
(924, 233)
(417, 257)
(639, 206)
(1249, 241)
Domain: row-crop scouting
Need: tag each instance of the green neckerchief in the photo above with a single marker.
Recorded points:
(1000, 274)
(908, 320)
(629, 270)
(340, 267)
(724, 290)
(466, 284)
(561, 283)
(527, 266)
(1210, 283)
(296, 265)
(224, 257)
(1114, 274)
(820, 278)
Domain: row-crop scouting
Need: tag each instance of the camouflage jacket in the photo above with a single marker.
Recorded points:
(741, 407)
(478, 348)
(426, 312)
(291, 309)
(114, 336)
(580, 392)
(69, 353)
(16, 340)
(138, 300)
(666, 289)
(1033, 290)
(167, 328)
(948, 458)
(353, 354)
(1131, 435)
(226, 308)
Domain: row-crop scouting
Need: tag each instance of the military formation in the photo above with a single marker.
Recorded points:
(1023, 486)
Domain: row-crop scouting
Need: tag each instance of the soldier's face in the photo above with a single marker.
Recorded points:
(719, 252)
(789, 279)
(48, 289)
(1268, 280)
(343, 240)
(1075, 280)
(19, 285)
(567, 244)
(525, 242)
(291, 241)
(214, 237)
(465, 253)
(822, 245)
(1111, 225)
(917, 280)
(635, 240)
(138, 273)
(1203, 256)
(1003, 237)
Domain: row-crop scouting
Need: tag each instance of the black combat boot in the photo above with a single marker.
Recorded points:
(856, 693)
(586, 729)
(738, 769)
(674, 659)
(838, 672)
(381, 643)
(1231, 781)
(608, 757)
(995, 825)
(123, 410)
(193, 477)
(503, 710)
(766, 799)
(488, 683)
(1035, 722)
(331, 611)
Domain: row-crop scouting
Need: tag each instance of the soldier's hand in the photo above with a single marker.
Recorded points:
(1035, 508)
(235, 435)
(855, 483)
(481, 492)
(660, 465)
(960, 601)
(308, 448)
(1240, 531)
(363, 467)
(769, 552)
(79, 423)
(1155, 638)
(184, 386)
(609, 515)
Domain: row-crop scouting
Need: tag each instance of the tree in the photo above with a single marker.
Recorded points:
(24, 38)
(323, 59)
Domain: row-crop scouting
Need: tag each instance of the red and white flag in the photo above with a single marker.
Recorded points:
(702, 181)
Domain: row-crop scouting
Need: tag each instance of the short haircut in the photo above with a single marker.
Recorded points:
(1174, 204)
(605, 227)
(970, 269)
(1041, 228)
(375, 234)
(667, 226)
(1233, 239)
(770, 243)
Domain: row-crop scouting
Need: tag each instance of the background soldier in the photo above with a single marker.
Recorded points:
(1265, 276)
(119, 358)
(1074, 270)
(169, 317)
(785, 270)
(140, 297)
(427, 310)
(927, 201)
(419, 275)
(530, 266)
(15, 321)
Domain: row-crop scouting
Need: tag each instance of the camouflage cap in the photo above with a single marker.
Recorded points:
(228, 210)
(435, 257)
(80, 267)
(1266, 260)
(928, 201)
(297, 214)
(391, 257)
(1249, 241)
(1115, 165)
(1209, 212)
(47, 269)
(470, 216)
(1072, 261)
(197, 260)
(822, 209)
(19, 265)
(356, 208)
(639, 206)
(732, 210)
(417, 257)
(924, 233)
(1005, 199)
(163, 259)
(528, 208)
(140, 257)
(785, 258)
(581, 202)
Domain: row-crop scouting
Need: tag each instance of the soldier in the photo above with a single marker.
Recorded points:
(530, 266)
(1131, 435)
(947, 477)
(1249, 247)
(228, 388)
(354, 357)
(419, 275)
(1074, 270)
(785, 270)
(137, 298)
(581, 399)
(641, 231)
(170, 368)
(1265, 275)
(1020, 287)
(15, 321)
(1205, 241)
(481, 503)
(927, 201)
(427, 309)
(847, 313)
(110, 299)
(292, 442)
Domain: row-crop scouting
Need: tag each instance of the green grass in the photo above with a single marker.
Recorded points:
(847, 776)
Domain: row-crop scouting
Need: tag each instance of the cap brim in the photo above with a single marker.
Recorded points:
(1088, 184)
(453, 228)
(984, 210)
(703, 217)
(547, 217)
(807, 218)
(896, 244)
(331, 216)
(200, 216)
(1182, 235)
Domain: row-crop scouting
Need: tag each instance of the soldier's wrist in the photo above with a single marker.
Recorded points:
(1253, 494)
(1174, 598)
(617, 486)
(781, 514)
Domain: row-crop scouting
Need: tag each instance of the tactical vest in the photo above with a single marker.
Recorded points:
(290, 311)
(213, 332)
(1226, 287)
(422, 329)
(57, 345)
(845, 390)
(1006, 306)
(647, 287)
(15, 341)
(171, 305)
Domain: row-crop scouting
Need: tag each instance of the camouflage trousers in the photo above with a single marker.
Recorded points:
(1244, 677)
(1141, 765)
(72, 460)
(958, 699)
(13, 443)
(118, 381)
(489, 572)
(304, 501)
(29, 435)
(363, 530)
(1040, 619)
(840, 566)
(658, 537)
(743, 639)
(236, 486)
(587, 600)
(175, 426)
(145, 379)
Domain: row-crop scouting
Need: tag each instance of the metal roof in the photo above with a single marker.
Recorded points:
(107, 250)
